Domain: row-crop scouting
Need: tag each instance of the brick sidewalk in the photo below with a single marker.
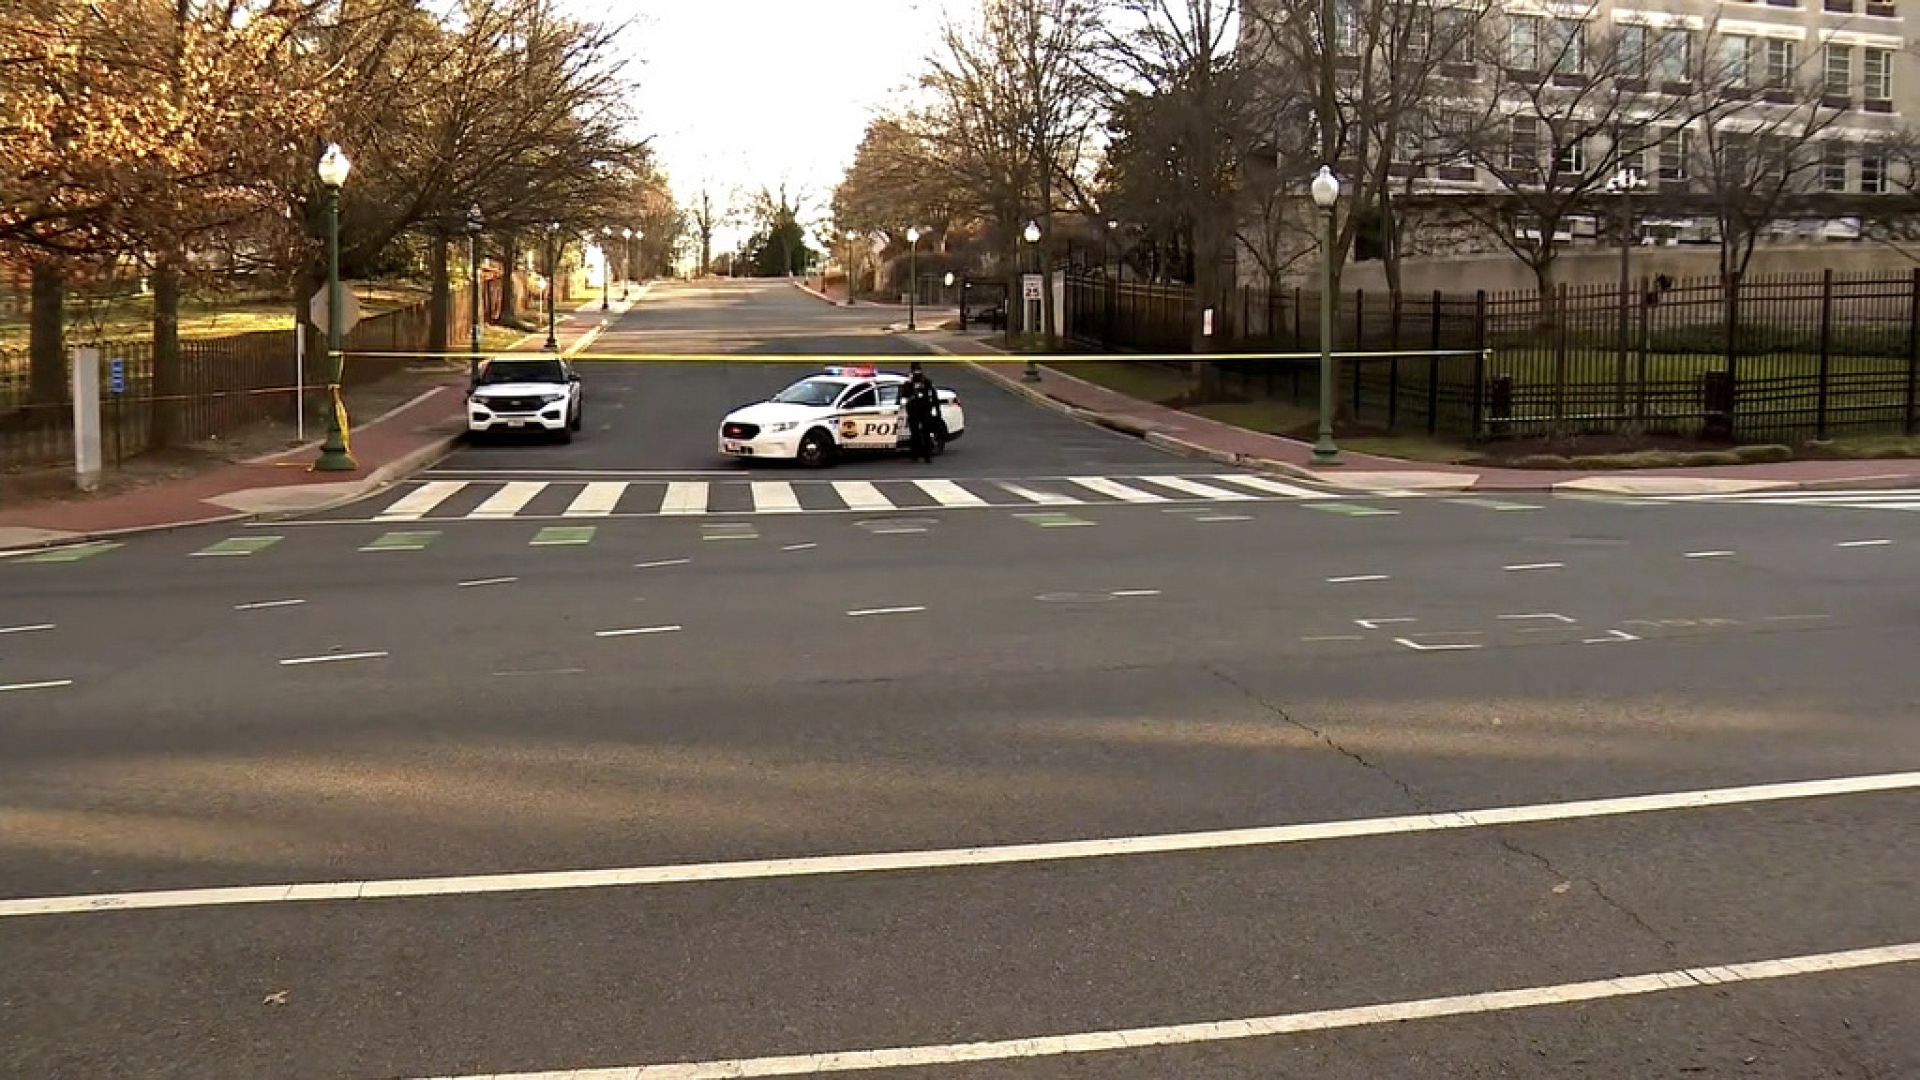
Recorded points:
(397, 444)
(1196, 435)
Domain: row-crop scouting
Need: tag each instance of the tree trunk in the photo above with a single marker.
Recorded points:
(509, 265)
(440, 308)
(47, 337)
(168, 377)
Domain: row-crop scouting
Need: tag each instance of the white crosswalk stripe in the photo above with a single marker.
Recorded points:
(421, 501)
(685, 497)
(1194, 487)
(596, 500)
(861, 495)
(500, 500)
(1114, 489)
(774, 497)
(948, 493)
(509, 500)
(1035, 495)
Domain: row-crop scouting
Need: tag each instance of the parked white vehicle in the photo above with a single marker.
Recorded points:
(525, 393)
(841, 409)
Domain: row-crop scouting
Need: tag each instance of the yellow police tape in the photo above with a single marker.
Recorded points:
(340, 414)
(896, 359)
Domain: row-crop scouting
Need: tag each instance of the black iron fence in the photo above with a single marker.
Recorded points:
(220, 386)
(1776, 359)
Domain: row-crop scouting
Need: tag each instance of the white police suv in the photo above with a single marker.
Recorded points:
(840, 409)
(525, 394)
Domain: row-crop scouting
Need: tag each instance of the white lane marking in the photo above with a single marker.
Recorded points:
(1863, 543)
(480, 582)
(421, 501)
(1375, 624)
(637, 631)
(1035, 495)
(512, 498)
(1612, 636)
(262, 605)
(953, 858)
(332, 658)
(859, 612)
(685, 497)
(1206, 518)
(1113, 489)
(1271, 487)
(1194, 487)
(1335, 637)
(1352, 578)
(50, 684)
(1135, 592)
(1706, 554)
(657, 563)
(596, 499)
(948, 493)
(1798, 618)
(1252, 1027)
(33, 628)
(774, 497)
(1435, 646)
(1520, 567)
(799, 547)
(861, 495)
(1546, 616)
(539, 672)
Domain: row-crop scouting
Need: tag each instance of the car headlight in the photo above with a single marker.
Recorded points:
(785, 425)
(476, 399)
(551, 398)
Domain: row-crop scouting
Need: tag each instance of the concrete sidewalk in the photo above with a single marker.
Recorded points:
(1197, 436)
(387, 448)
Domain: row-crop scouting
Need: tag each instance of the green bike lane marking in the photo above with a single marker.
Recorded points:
(238, 547)
(1348, 509)
(1053, 519)
(70, 554)
(563, 536)
(402, 541)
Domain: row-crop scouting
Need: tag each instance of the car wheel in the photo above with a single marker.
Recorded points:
(564, 435)
(816, 450)
(579, 418)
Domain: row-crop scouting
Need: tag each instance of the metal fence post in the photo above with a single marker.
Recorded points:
(1433, 368)
(1359, 342)
(1479, 361)
(1826, 353)
(1913, 347)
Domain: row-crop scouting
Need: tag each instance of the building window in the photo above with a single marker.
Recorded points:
(1572, 158)
(1839, 73)
(1675, 150)
(1876, 74)
(1635, 63)
(1346, 28)
(1675, 56)
(1633, 158)
(1833, 168)
(1523, 144)
(1780, 63)
(1456, 33)
(1523, 43)
(1736, 60)
(1567, 46)
(1873, 174)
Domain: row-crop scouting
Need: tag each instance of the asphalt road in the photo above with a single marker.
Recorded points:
(439, 705)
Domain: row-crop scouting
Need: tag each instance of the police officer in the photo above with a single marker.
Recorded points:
(922, 405)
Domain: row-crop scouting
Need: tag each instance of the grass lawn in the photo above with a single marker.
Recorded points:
(211, 315)
(1147, 382)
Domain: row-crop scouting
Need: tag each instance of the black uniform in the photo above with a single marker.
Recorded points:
(923, 416)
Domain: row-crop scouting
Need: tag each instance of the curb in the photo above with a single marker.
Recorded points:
(816, 294)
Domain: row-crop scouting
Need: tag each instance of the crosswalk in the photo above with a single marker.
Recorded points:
(1864, 499)
(444, 500)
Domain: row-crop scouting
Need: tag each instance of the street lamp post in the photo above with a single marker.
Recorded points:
(626, 261)
(553, 231)
(606, 267)
(1107, 257)
(1031, 234)
(852, 235)
(1625, 183)
(1326, 192)
(474, 223)
(913, 276)
(334, 454)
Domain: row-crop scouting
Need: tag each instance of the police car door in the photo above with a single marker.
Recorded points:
(865, 424)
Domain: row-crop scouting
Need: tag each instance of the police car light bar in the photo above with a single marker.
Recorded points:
(853, 371)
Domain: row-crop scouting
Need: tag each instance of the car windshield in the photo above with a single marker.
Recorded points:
(522, 371)
(810, 392)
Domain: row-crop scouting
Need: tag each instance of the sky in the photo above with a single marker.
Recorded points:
(741, 94)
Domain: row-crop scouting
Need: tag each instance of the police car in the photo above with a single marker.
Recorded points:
(840, 409)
